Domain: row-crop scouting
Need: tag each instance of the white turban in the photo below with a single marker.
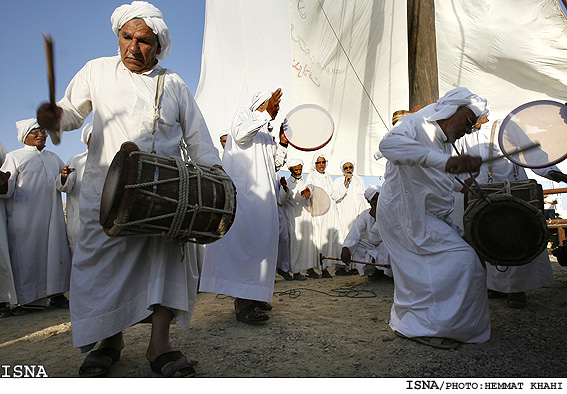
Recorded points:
(259, 99)
(371, 191)
(149, 14)
(223, 132)
(315, 157)
(294, 162)
(25, 127)
(86, 133)
(346, 161)
(447, 105)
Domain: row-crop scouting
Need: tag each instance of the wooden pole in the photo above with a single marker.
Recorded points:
(422, 53)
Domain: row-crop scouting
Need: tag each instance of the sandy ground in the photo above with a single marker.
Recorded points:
(334, 327)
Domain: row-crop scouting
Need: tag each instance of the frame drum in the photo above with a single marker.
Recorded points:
(510, 229)
(149, 195)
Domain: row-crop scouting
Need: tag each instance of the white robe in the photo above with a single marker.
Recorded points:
(243, 263)
(440, 286)
(39, 251)
(298, 216)
(350, 202)
(325, 227)
(115, 281)
(7, 287)
(365, 245)
(283, 240)
(511, 279)
(73, 188)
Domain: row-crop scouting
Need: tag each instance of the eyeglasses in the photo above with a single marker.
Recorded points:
(321, 162)
(471, 122)
(348, 168)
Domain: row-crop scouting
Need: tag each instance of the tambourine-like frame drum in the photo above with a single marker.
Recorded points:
(149, 195)
(510, 230)
(308, 127)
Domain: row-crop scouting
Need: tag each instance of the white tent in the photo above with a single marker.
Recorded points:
(351, 58)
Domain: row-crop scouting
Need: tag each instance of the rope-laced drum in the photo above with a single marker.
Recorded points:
(504, 222)
(150, 195)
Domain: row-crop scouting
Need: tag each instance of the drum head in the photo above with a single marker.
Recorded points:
(116, 179)
(320, 201)
(543, 122)
(308, 127)
(506, 231)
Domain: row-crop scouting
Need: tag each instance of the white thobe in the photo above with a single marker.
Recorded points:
(283, 232)
(73, 188)
(512, 279)
(350, 202)
(366, 245)
(325, 227)
(116, 281)
(297, 211)
(39, 251)
(7, 287)
(243, 263)
(440, 282)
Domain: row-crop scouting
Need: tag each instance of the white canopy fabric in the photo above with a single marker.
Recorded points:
(350, 57)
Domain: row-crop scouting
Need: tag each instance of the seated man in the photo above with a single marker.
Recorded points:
(362, 244)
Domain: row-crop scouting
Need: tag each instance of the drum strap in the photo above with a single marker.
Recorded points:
(491, 151)
(157, 105)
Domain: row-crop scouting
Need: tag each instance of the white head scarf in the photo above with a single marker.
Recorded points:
(371, 191)
(315, 157)
(259, 99)
(294, 162)
(223, 132)
(86, 133)
(153, 18)
(347, 161)
(447, 105)
(25, 127)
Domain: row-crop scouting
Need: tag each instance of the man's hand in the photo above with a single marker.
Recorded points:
(274, 103)
(557, 176)
(306, 194)
(283, 139)
(65, 174)
(49, 117)
(283, 182)
(463, 163)
(348, 178)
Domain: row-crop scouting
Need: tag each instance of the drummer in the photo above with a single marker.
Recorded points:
(440, 294)
(512, 283)
(118, 282)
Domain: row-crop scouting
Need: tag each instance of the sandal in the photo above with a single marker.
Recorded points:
(251, 314)
(168, 364)
(103, 359)
(492, 294)
(263, 305)
(326, 274)
(312, 274)
(284, 274)
(340, 272)
(5, 309)
(59, 301)
(436, 342)
(19, 311)
(517, 300)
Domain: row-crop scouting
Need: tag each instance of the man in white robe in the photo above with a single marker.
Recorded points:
(513, 281)
(7, 288)
(362, 244)
(118, 282)
(35, 212)
(348, 192)
(440, 295)
(297, 206)
(73, 175)
(326, 226)
(243, 263)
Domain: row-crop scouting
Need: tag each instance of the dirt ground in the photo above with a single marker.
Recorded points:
(319, 328)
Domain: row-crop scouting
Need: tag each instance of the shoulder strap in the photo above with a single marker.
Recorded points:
(157, 105)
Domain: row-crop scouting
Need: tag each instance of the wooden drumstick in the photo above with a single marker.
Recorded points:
(514, 152)
(321, 258)
(50, 68)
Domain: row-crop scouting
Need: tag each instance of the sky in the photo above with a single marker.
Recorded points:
(81, 31)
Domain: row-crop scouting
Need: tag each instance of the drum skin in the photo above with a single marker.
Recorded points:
(506, 231)
(141, 195)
